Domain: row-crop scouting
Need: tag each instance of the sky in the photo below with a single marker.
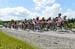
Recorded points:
(21, 9)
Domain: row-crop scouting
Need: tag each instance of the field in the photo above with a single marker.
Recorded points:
(7, 42)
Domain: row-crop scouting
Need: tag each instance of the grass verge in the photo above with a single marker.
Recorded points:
(7, 42)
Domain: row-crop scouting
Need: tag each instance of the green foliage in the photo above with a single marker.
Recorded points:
(71, 20)
(71, 23)
(1, 23)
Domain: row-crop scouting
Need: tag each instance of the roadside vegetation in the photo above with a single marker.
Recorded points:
(71, 23)
(7, 42)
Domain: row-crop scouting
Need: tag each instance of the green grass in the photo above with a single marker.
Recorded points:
(7, 42)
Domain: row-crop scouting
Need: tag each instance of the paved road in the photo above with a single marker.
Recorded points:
(45, 40)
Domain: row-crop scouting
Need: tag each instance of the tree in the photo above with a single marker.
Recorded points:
(1, 22)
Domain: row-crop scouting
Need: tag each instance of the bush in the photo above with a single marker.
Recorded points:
(1, 23)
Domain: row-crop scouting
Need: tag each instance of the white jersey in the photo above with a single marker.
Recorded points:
(60, 19)
(33, 22)
(49, 21)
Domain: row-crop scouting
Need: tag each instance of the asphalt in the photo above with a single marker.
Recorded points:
(44, 40)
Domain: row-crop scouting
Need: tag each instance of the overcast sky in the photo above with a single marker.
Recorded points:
(21, 9)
